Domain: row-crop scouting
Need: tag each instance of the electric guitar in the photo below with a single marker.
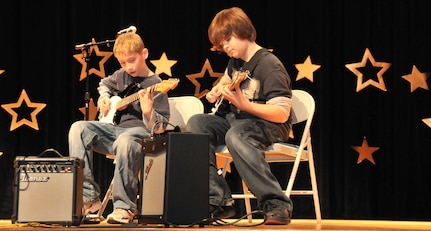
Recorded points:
(119, 104)
(220, 105)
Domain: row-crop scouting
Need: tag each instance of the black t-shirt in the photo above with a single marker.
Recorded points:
(268, 77)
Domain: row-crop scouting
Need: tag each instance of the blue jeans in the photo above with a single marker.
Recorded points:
(104, 138)
(246, 139)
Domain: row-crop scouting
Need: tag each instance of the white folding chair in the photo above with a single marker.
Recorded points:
(181, 109)
(303, 107)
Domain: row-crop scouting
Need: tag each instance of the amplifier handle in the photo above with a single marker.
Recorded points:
(50, 150)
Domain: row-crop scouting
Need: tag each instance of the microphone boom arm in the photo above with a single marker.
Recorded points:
(86, 45)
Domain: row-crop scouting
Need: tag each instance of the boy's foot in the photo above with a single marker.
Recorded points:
(120, 216)
(277, 215)
(221, 212)
(92, 207)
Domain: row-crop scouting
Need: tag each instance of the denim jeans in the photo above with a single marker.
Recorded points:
(246, 139)
(104, 138)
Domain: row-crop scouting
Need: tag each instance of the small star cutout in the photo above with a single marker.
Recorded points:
(101, 72)
(427, 121)
(365, 151)
(23, 98)
(192, 77)
(220, 160)
(417, 79)
(92, 110)
(163, 65)
(353, 67)
(306, 69)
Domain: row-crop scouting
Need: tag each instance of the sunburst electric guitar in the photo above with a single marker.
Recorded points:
(221, 104)
(119, 103)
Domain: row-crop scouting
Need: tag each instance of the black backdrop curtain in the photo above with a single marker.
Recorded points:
(37, 51)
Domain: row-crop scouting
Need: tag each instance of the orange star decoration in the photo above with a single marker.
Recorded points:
(23, 98)
(1, 72)
(427, 121)
(101, 72)
(306, 69)
(417, 79)
(365, 151)
(92, 110)
(220, 163)
(353, 67)
(163, 65)
(192, 77)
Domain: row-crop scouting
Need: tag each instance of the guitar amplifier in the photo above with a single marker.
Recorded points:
(48, 190)
(175, 180)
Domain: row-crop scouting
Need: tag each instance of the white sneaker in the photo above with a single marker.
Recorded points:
(92, 207)
(120, 216)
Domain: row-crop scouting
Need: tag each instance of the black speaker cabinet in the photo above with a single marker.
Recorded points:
(48, 190)
(175, 184)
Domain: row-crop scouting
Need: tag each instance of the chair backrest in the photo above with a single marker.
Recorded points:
(182, 108)
(303, 106)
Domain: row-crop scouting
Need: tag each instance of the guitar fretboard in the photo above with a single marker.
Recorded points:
(162, 87)
(124, 102)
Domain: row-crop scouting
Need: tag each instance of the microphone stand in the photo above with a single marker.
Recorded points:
(85, 49)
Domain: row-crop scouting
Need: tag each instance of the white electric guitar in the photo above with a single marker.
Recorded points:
(119, 104)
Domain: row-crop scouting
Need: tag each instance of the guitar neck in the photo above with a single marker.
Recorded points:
(161, 88)
(126, 101)
(232, 86)
(238, 80)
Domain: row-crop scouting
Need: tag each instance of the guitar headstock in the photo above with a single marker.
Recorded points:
(167, 85)
(239, 79)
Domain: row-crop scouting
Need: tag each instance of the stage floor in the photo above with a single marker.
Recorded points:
(296, 224)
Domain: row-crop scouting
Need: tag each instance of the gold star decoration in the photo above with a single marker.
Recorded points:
(101, 72)
(220, 161)
(427, 121)
(1, 72)
(306, 69)
(163, 65)
(417, 79)
(192, 77)
(23, 98)
(92, 110)
(365, 151)
(353, 67)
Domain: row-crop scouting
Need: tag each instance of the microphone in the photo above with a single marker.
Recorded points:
(131, 29)
(82, 46)
(85, 45)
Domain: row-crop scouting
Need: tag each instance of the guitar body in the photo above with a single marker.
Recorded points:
(110, 117)
(223, 108)
(113, 112)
